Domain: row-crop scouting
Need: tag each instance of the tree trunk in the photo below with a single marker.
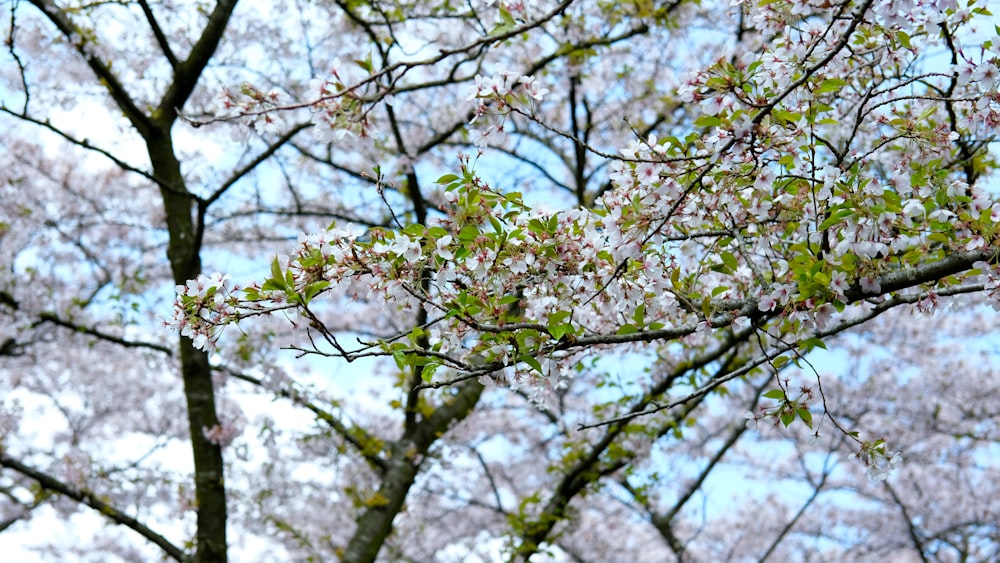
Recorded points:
(183, 251)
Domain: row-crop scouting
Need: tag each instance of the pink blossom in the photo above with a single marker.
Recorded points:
(534, 87)
(713, 105)
(765, 179)
(221, 434)
(870, 284)
(823, 315)
(838, 283)
(647, 173)
(443, 250)
(766, 303)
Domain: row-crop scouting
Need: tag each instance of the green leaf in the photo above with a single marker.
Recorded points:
(416, 334)
(415, 230)
(789, 118)
(365, 64)
(506, 16)
(639, 315)
(508, 299)
(313, 289)
(708, 121)
(427, 372)
(808, 344)
(496, 224)
(836, 217)
(276, 269)
(400, 358)
(274, 284)
(468, 233)
(831, 85)
(527, 339)
(558, 317)
(553, 226)
(904, 40)
(779, 361)
(504, 27)
(787, 418)
(531, 361)
(938, 237)
(717, 83)
(559, 330)
(805, 416)
(278, 282)
(536, 226)
(627, 329)
(447, 179)
(775, 394)
(730, 261)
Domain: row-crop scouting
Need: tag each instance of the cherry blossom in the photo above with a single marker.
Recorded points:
(507, 275)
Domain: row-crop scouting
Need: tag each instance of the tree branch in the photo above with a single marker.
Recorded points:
(91, 500)
(115, 88)
(588, 469)
(257, 161)
(84, 143)
(787, 528)
(48, 317)
(767, 357)
(354, 435)
(664, 522)
(161, 39)
(187, 73)
(375, 524)
(911, 527)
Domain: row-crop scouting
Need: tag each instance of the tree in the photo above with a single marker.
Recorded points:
(557, 251)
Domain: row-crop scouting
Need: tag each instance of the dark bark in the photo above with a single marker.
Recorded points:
(88, 498)
(590, 468)
(184, 213)
(375, 523)
(183, 251)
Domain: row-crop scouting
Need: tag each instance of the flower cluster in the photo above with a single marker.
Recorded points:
(202, 308)
(991, 275)
(878, 460)
(222, 434)
(338, 110)
(256, 108)
(786, 408)
(496, 97)
(733, 227)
